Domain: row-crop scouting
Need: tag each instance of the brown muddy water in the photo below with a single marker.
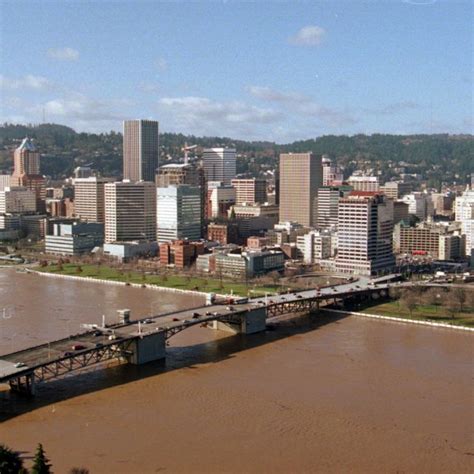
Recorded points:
(313, 395)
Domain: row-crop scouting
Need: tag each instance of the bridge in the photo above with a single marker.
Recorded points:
(144, 341)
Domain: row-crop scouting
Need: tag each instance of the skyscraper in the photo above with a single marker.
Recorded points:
(26, 172)
(130, 211)
(464, 213)
(301, 175)
(365, 226)
(140, 150)
(89, 200)
(219, 164)
(250, 190)
(179, 213)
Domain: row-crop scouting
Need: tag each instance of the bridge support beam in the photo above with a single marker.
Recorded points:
(24, 385)
(251, 322)
(148, 349)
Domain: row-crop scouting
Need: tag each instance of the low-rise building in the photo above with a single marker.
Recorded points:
(180, 253)
(125, 251)
(74, 239)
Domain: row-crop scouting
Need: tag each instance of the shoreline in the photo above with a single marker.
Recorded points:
(120, 283)
(401, 320)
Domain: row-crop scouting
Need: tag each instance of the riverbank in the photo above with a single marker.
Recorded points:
(423, 312)
(196, 284)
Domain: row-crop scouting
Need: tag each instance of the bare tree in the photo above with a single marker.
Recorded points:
(460, 297)
(409, 302)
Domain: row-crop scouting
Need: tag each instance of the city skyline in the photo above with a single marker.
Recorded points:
(340, 68)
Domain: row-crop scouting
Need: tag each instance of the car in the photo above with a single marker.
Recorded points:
(283, 298)
(97, 333)
(186, 321)
(216, 314)
(78, 347)
(175, 319)
(208, 313)
(259, 301)
(196, 315)
(299, 296)
(112, 337)
(99, 344)
(147, 321)
(20, 364)
(68, 354)
(229, 308)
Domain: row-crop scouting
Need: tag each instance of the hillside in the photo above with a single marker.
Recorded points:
(438, 158)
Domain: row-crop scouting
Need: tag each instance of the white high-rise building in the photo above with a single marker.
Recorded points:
(5, 181)
(365, 234)
(219, 164)
(178, 213)
(130, 211)
(141, 151)
(464, 213)
(419, 204)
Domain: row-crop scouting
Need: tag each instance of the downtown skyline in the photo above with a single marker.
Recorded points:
(276, 72)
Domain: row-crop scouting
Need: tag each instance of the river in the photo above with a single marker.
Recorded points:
(314, 395)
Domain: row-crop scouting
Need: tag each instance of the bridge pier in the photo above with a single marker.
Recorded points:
(251, 322)
(24, 385)
(148, 349)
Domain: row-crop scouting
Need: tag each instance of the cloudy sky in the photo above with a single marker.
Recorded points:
(276, 71)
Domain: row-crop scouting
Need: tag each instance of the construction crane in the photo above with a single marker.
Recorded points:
(187, 148)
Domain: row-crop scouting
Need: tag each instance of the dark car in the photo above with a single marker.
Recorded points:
(68, 354)
(97, 333)
(175, 319)
(78, 347)
(196, 315)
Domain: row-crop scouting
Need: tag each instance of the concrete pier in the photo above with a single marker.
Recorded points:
(251, 322)
(147, 349)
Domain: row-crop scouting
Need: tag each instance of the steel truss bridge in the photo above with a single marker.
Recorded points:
(23, 369)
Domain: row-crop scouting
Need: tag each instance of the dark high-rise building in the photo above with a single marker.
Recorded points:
(141, 150)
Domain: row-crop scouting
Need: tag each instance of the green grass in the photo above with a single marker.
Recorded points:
(423, 312)
(182, 282)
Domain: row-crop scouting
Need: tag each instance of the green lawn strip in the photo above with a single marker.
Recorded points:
(209, 285)
(430, 313)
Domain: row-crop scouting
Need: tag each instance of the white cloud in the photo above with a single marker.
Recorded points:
(200, 115)
(302, 105)
(272, 95)
(26, 82)
(63, 54)
(311, 35)
(161, 64)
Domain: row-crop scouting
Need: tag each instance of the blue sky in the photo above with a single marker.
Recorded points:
(276, 71)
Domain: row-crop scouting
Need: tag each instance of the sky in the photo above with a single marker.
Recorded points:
(263, 70)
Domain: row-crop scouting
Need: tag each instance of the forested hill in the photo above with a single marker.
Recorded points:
(438, 157)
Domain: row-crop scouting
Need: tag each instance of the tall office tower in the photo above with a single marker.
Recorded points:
(365, 234)
(300, 177)
(464, 213)
(332, 174)
(184, 174)
(130, 211)
(219, 164)
(141, 151)
(328, 205)
(178, 213)
(396, 189)
(89, 199)
(26, 172)
(220, 198)
(364, 183)
(250, 191)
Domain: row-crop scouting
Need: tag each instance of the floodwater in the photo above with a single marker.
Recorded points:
(320, 395)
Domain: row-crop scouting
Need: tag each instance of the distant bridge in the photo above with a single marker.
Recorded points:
(143, 341)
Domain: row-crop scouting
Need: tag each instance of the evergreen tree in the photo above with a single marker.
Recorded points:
(41, 462)
(10, 462)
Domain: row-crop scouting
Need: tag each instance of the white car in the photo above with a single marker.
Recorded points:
(20, 364)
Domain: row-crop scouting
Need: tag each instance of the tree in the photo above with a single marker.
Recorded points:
(78, 269)
(409, 302)
(10, 461)
(460, 297)
(41, 463)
